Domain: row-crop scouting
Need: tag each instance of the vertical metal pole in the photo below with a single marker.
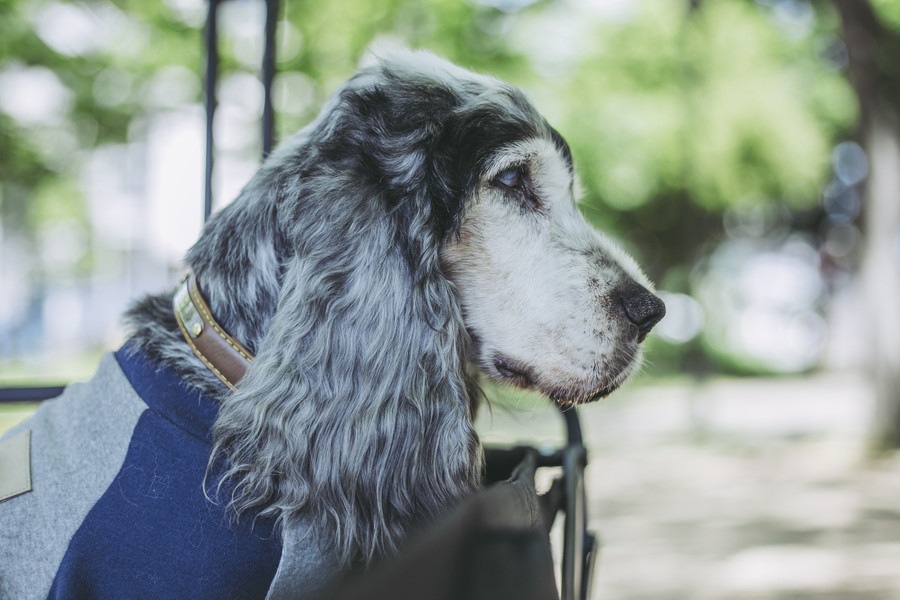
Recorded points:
(212, 71)
(579, 544)
(573, 426)
(268, 76)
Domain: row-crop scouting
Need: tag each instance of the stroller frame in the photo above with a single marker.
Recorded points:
(567, 497)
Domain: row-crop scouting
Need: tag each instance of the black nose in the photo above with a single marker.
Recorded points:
(641, 307)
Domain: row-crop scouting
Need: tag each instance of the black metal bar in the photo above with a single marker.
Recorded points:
(210, 79)
(575, 524)
(579, 544)
(268, 77)
(29, 394)
(573, 426)
(590, 551)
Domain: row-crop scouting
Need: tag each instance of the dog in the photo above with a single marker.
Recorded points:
(421, 232)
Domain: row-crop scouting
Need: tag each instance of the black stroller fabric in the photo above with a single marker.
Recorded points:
(493, 546)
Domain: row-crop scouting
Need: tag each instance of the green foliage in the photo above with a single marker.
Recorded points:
(719, 105)
(674, 114)
(889, 12)
(716, 103)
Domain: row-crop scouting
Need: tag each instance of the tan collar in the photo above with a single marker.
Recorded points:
(220, 352)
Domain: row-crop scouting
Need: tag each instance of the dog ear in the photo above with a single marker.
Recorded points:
(239, 260)
(356, 412)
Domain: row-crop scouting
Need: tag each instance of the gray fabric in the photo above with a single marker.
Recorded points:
(305, 571)
(78, 444)
(79, 441)
(15, 465)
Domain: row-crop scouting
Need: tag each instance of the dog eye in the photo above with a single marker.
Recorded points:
(511, 178)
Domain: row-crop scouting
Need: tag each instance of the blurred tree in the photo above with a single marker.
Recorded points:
(872, 34)
(73, 76)
(689, 109)
(677, 111)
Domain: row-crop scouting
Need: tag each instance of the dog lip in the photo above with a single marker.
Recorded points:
(512, 371)
(592, 396)
(602, 393)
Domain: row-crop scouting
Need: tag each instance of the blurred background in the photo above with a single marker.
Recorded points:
(746, 152)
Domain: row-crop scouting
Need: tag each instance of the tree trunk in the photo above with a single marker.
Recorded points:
(873, 50)
(881, 278)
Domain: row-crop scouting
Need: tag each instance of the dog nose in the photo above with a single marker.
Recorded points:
(641, 307)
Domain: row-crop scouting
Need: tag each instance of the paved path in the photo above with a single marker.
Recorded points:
(735, 489)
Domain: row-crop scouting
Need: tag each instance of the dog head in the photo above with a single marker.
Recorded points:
(425, 220)
(550, 303)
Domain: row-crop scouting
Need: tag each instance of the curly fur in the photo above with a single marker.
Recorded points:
(332, 267)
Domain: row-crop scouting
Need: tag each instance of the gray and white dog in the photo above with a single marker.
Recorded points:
(424, 223)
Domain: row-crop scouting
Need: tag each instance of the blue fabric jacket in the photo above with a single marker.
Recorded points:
(116, 507)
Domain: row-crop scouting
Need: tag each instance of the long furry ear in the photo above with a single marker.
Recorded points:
(356, 412)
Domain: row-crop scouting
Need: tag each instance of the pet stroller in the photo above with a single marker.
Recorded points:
(496, 544)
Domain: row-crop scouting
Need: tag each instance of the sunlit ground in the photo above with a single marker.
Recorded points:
(734, 488)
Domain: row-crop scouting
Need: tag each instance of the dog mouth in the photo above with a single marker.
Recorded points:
(572, 398)
(513, 371)
(520, 375)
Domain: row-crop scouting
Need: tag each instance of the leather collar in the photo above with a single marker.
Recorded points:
(221, 353)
